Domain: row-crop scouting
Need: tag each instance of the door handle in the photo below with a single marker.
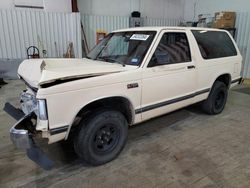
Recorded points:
(191, 67)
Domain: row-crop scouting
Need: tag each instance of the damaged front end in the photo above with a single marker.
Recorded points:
(23, 132)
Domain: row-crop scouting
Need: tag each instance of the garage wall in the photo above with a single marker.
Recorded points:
(197, 7)
(21, 29)
(57, 5)
(109, 15)
(49, 5)
(171, 9)
(243, 40)
(8, 4)
(95, 23)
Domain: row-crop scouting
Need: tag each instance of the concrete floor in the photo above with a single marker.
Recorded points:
(183, 149)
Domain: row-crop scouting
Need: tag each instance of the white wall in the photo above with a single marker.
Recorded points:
(189, 10)
(212, 6)
(57, 5)
(21, 29)
(49, 5)
(171, 9)
(6, 4)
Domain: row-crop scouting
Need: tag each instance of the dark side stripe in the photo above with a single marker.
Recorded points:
(172, 101)
(59, 130)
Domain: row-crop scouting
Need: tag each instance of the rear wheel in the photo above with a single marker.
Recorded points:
(102, 137)
(217, 99)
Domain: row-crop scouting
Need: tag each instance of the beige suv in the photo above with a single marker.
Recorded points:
(131, 76)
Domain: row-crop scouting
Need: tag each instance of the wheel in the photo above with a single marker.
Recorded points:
(101, 137)
(217, 99)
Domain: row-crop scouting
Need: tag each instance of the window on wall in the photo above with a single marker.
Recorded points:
(173, 48)
(214, 44)
(37, 4)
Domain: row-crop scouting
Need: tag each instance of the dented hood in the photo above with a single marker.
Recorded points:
(42, 71)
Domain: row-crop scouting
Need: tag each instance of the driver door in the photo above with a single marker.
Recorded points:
(169, 79)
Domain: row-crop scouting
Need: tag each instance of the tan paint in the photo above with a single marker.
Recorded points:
(156, 84)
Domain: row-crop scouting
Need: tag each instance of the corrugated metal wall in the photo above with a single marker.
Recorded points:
(20, 29)
(243, 40)
(23, 28)
(94, 23)
(161, 22)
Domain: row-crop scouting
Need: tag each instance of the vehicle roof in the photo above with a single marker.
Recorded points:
(166, 28)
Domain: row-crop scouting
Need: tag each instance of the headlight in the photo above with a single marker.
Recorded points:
(28, 103)
(42, 109)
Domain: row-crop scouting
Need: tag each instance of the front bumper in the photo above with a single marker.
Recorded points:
(21, 134)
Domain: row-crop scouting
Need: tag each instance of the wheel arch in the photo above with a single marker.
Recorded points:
(119, 103)
(225, 78)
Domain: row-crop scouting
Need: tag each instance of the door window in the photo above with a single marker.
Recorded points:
(173, 48)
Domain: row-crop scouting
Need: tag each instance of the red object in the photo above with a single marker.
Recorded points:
(100, 36)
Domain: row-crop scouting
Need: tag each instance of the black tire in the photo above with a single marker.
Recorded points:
(217, 99)
(101, 137)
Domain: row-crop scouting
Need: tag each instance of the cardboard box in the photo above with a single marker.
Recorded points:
(224, 24)
(224, 20)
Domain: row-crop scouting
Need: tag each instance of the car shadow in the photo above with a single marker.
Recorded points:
(62, 153)
(67, 162)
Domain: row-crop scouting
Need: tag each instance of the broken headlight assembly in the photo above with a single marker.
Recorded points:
(29, 104)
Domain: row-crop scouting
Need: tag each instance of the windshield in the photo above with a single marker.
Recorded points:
(126, 48)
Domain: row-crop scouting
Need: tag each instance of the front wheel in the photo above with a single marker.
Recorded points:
(102, 137)
(217, 99)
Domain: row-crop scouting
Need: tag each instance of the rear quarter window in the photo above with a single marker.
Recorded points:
(214, 44)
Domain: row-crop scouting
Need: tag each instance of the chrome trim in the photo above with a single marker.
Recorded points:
(19, 135)
(22, 138)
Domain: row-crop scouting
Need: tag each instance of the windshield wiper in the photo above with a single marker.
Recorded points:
(115, 60)
(87, 57)
(108, 59)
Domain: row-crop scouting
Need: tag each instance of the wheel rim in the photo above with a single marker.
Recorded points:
(219, 100)
(106, 138)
